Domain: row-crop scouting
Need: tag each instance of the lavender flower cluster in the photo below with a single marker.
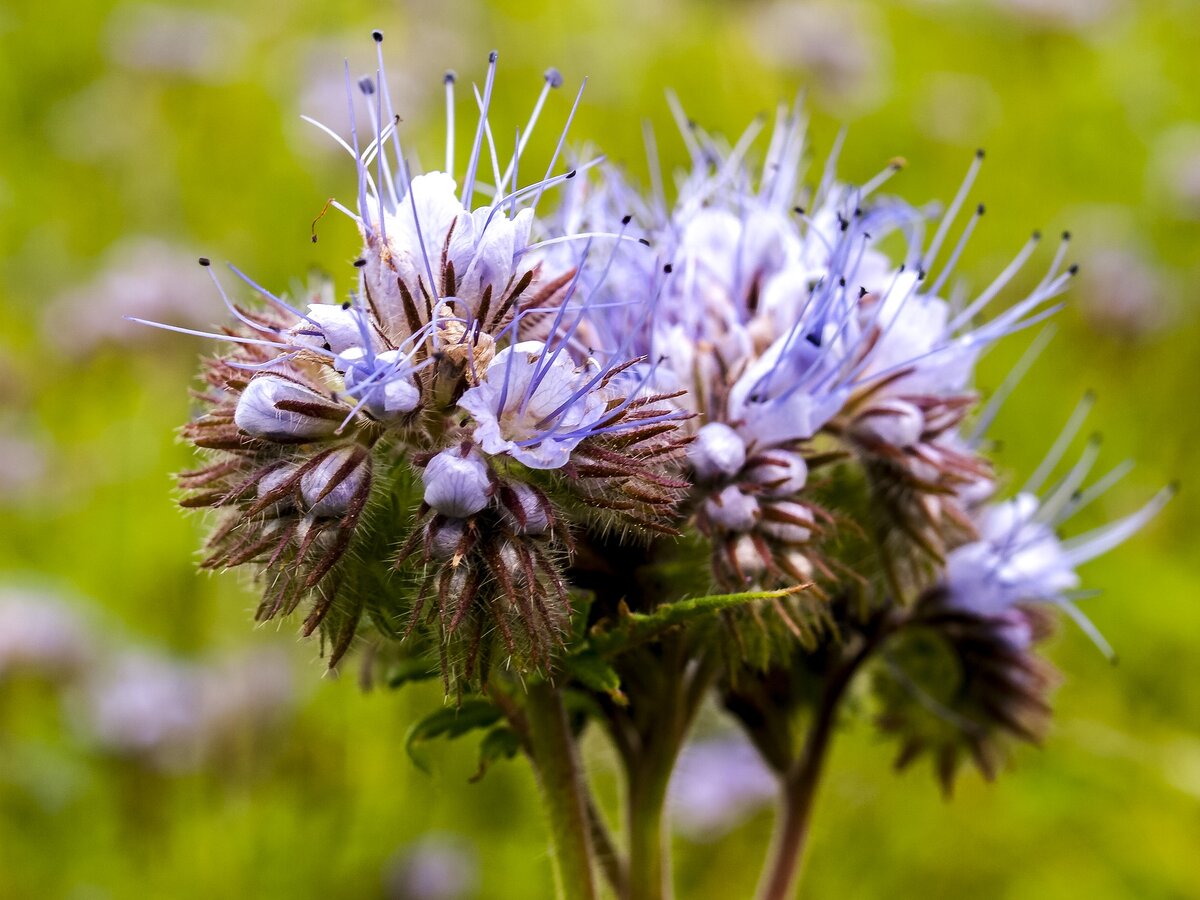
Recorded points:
(551, 404)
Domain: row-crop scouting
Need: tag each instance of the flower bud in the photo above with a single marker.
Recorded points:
(716, 451)
(797, 565)
(732, 509)
(457, 483)
(892, 422)
(273, 481)
(747, 558)
(788, 522)
(524, 508)
(780, 472)
(331, 485)
(445, 536)
(306, 415)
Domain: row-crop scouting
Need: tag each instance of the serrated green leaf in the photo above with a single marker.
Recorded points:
(499, 743)
(633, 628)
(450, 722)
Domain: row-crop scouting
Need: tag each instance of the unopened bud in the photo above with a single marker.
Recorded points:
(747, 558)
(331, 485)
(788, 521)
(892, 422)
(273, 481)
(732, 509)
(457, 485)
(524, 508)
(445, 537)
(716, 451)
(780, 472)
(306, 415)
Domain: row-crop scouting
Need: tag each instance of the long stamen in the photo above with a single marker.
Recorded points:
(1008, 385)
(448, 80)
(393, 119)
(363, 175)
(551, 79)
(233, 339)
(1059, 447)
(282, 304)
(1098, 489)
(996, 286)
(1056, 501)
(562, 139)
(491, 142)
(384, 175)
(237, 313)
(1085, 547)
(473, 163)
(958, 249)
(952, 211)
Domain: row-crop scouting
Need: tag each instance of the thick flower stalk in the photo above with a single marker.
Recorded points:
(598, 454)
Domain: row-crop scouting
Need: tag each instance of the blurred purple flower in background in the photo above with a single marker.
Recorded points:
(173, 715)
(163, 39)
(718, 783)
(141, 276)
(40, 633)
(434, 867)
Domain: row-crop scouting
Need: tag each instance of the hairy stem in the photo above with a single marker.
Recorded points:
(649, 855)
(782, 874)
(556, 760)
(612, 863)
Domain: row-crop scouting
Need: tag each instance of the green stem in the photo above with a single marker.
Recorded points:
(556, 761)
(649, 851)
(782, 874)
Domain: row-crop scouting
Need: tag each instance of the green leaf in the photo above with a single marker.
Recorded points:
(449, 722)
(592, 671)
(633, 628)
(411, 668)
(499, 743)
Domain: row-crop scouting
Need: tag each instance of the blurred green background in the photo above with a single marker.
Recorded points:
(138, 136)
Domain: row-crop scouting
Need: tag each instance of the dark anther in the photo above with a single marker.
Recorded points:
(205, 261)
(366, 85)
(979, 154)
(798, 210)
(643, 242)
(667, 268)
(1066, 235)
(449, 77)
(359, 263)
(346, 304)
(378, 35)
(493, 56)
(1074, 270)
(571, 174)
(980, 209)
(625, 220)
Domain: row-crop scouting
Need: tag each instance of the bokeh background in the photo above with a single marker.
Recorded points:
(153, 744)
